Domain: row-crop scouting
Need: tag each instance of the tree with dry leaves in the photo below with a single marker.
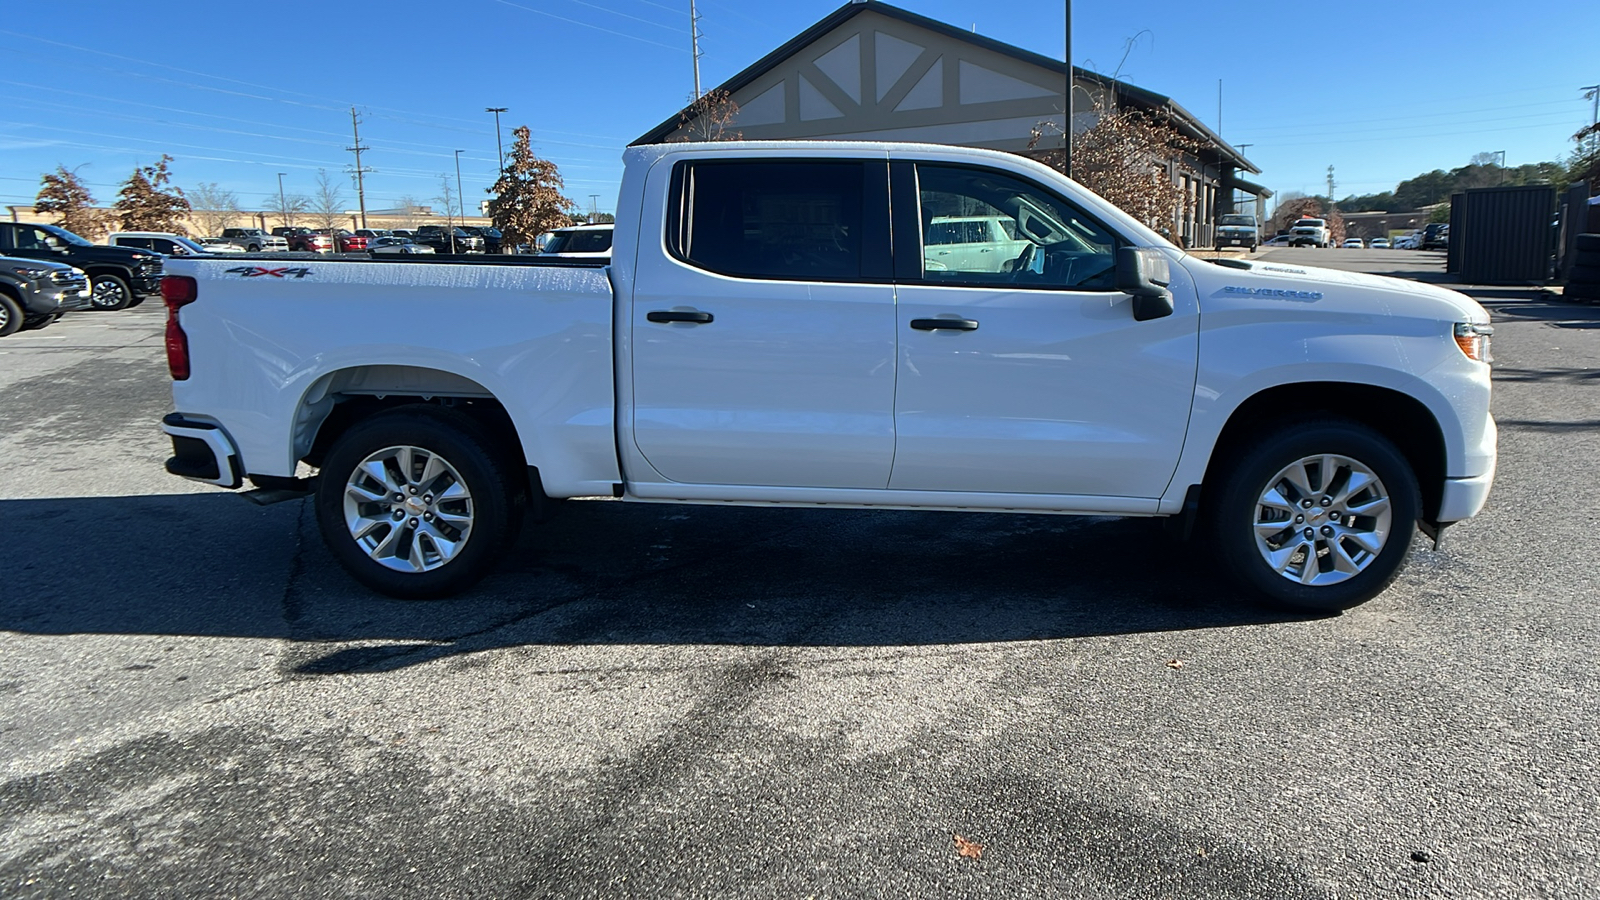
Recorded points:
(1291, 209)
(526, 200)
(147, 203)
(709, 118)
(63, 194)
(327, 204)
(1131, 157)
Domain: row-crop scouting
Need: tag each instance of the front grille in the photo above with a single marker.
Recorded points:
(150, 266)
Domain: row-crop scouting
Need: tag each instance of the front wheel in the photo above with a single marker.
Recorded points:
(10, 316)
(416, 502)
(1318, 517)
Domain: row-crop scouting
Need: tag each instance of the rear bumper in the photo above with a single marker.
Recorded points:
(202, 451)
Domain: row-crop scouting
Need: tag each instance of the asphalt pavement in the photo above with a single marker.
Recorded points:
(652, 701)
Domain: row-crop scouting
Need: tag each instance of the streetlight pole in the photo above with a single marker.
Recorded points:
(499, 148)
(1502, 155)
(461, 200)
(283, 205)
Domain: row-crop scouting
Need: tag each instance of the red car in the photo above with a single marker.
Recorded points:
(322, 242)
(350, 243)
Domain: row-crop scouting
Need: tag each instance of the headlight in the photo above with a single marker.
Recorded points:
(30, 272)
(1474, 341)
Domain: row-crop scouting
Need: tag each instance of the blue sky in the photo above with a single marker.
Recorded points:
(238, 92)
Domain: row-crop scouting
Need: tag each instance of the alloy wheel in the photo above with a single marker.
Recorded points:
(408, 509)
(1322, 520)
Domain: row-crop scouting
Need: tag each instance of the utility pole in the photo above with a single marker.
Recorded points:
(361, 185)
(461, 200)
(283, 205)
(1332, 204)
(1066, 124)
(1219, 107)
(594, 208)
(694, 45)
(1593, 93)
(499, 148)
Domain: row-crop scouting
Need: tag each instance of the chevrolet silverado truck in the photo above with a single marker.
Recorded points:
(768, 332)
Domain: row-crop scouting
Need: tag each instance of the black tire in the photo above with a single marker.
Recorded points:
(253, 248)
(490, 475)
(10, 316)
(1232, 517)
(1588, 243)
(1583, 274)
(110, 293)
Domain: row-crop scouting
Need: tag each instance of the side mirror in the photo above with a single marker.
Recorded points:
(1144, 274)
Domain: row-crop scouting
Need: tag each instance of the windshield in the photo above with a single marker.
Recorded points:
(1248, 221)
(190, 245)
(595, 241)
(64, 235)
(1308, 223)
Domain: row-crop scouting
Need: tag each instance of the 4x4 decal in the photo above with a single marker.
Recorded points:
(257, 272)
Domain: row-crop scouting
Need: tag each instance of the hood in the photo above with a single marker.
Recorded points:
(1246, 277)
(15, 261)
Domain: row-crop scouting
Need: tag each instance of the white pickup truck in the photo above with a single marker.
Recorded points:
(768, 332)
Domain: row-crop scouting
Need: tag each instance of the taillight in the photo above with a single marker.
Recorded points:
(178, 291)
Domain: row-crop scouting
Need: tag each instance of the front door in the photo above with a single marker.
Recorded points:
(763, 328)
(1030, 375)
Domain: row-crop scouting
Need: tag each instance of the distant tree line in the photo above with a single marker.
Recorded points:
(1483, 170)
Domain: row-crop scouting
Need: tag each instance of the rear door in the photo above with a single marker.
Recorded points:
(1032, 376)
(763, 327)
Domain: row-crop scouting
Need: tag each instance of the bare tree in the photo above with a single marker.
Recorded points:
(289, 208)
(410, 216)
(1131, 157)
(327, 204)
(64, 195)
(448, 199)
(214, 207)
(709, 118)
(526, 201)
(145, 203)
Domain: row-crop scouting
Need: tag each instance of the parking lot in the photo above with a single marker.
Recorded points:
(717, 702)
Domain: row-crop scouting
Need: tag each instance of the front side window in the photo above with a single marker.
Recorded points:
(981, 227)
(781, 219)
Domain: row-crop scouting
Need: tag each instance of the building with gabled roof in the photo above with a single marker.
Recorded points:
(873, 71)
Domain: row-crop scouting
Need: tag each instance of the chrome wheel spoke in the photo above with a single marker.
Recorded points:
(1274, 499)
(383, 551)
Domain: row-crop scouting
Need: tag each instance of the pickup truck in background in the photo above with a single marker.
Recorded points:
(769, 332)
(1238, 230)
(119, 277)
(1310, 233)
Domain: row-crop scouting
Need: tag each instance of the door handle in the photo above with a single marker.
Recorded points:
(945, 324)
(679, 315)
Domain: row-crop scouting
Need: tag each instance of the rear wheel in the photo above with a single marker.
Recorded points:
(418, 503)
(109, 293)
(1318, 517)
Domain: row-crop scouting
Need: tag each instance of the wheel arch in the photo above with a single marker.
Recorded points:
(340, 398)
(1398, 416)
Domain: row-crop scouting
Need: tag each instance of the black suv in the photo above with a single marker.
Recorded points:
(1435, 236)
(119, 277)
(489, 233)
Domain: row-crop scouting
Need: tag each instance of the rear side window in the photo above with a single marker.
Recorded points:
(784, 220)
